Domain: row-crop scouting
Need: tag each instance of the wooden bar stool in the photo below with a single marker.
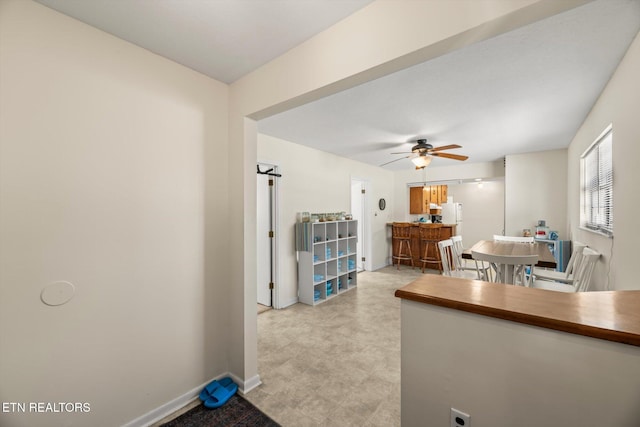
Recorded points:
(401, 233)
(429, 237)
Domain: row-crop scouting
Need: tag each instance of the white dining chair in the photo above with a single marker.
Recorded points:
(513, 239)
(509, 269)
(581, 276)
(562, 276)
(458, 249)
(450, 266)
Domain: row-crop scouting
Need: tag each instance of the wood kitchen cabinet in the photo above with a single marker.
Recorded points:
(435, 194)
(420, 198)
(443, 194)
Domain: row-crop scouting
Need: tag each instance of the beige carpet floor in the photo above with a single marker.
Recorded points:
(338, 363)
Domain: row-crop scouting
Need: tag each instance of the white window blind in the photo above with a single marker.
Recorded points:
(597, 185)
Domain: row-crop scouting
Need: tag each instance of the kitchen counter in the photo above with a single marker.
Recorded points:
(446, 232)
(415, 223)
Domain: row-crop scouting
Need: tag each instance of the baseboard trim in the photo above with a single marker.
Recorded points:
(379, 266)
(245, 387)
(289, 303)
(170, 407)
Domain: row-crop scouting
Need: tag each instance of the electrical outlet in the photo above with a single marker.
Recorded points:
(459, 418)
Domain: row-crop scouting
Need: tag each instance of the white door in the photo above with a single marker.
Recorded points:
(265, 243)
(358, 195)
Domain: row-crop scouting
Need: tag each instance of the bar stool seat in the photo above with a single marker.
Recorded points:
(401, 233)
(429, 237)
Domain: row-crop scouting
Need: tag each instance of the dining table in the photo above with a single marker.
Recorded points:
(492, 247)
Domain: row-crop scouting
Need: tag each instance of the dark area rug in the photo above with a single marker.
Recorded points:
(237, 412)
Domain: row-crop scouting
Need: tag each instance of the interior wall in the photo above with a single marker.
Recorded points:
(451, 172)
(505, 373)
(534, 190)
(618, 104)
(111, 179)
(315, 181)
(482, 209)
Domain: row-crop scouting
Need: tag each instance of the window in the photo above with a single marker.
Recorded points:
(597, 185)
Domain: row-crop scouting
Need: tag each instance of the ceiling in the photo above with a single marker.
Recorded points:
(523, 91)
(223, 39)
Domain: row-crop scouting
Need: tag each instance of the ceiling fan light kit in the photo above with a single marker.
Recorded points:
(422, 161)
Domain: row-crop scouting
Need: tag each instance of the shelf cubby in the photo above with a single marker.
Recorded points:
(332, 269)
(343, 282)
(319, 252)
(319, 273)
(343, 229)
(342, 248)
(331, 231)
(352, 245)
(331, 251)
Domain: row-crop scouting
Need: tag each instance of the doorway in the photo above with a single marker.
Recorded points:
(266, 262)
(359, 190)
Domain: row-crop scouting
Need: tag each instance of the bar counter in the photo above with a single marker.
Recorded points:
(446, 232)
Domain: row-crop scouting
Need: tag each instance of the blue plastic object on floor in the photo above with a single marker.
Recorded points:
(221, 395)
(212, 386)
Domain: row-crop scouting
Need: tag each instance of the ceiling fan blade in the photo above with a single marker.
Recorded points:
(445, 147)
(399, 158)
(450, 156)
(404, 152)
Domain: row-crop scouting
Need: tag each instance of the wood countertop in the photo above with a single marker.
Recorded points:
(612, 315)
(415, 224)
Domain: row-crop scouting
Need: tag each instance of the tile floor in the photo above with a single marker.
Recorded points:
(338, 363)
(263, 308)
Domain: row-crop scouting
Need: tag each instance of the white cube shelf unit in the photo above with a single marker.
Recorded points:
(326, 259)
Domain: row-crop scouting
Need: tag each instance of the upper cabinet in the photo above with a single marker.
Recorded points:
(443, 194)
(420, 198)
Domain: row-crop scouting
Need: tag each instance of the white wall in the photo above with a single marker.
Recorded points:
(505, 373)
(315, 181)
(482, 209)
(111, 179)
(619, 104)
(436, 174)
(535, 189)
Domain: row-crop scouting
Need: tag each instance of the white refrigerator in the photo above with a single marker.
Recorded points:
(452, 214)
